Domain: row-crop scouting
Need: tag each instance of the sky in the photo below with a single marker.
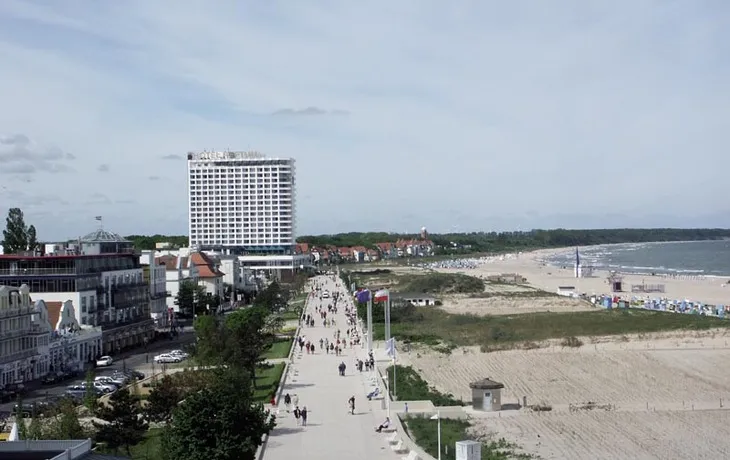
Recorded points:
(457, 116)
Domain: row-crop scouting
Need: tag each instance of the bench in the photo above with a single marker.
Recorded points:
(399, 447)
(412, 455)
(392, 439)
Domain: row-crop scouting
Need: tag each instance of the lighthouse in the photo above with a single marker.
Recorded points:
(577, 268)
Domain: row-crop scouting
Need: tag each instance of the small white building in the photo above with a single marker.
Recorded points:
(155, 273)
(21, 341)
(177, 270)
(71, 347)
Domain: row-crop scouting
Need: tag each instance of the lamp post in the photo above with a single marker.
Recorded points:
(437, 417)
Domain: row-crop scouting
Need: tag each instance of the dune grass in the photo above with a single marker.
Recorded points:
(433, 326)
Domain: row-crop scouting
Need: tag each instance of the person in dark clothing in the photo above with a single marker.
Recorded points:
(287, 401)
(351, 401)
(303, 413)
(297, 413)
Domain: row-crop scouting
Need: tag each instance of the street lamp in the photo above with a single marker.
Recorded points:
(437, 417)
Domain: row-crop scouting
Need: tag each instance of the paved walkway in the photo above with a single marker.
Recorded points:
(331, 431)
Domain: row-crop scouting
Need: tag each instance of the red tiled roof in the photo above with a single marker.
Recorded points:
(204, 264)
(54, 312)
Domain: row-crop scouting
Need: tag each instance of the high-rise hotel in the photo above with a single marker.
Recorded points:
(241, 203)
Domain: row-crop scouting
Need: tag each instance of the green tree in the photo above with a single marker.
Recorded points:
(32, 238)
(15, 235)
(163, 399)
(247, 337)
(124, 425)
(233, 428)
(66, 424)
(273, 298)
(90, 400)
(191, 298)
(211, 341)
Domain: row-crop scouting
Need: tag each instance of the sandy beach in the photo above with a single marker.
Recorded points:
(709, 290)
(661, 396)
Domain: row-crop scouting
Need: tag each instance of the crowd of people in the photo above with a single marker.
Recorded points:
(327, 307)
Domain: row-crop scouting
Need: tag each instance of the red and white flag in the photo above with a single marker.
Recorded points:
(381, 296)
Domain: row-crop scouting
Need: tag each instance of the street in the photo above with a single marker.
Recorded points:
(137, 359)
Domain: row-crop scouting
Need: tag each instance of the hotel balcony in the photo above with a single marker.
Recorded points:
(37, 271)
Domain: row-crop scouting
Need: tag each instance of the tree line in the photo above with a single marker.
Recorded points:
(206, 412)
(476, 242)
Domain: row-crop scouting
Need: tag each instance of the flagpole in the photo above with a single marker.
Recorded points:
(438, 414)
(395, 380)
(370, 323)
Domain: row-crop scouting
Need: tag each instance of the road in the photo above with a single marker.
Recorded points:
(136, 359)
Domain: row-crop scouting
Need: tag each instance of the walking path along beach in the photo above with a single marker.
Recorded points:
(313, 381)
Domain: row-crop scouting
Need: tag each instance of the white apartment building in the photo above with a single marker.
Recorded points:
(177, 270)
(20, 339)
(241, 202)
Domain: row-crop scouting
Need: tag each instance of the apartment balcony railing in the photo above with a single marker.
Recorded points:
(14, 334)
(18, 311)
(17, 356)
(36, 271)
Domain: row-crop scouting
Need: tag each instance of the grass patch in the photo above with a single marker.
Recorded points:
(410, 386)
(279, 349)
(424, 432)
(290, 315)
(435, 327)
(267, 382)
(441, 283)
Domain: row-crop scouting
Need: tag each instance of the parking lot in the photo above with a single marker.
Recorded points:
(136, 360)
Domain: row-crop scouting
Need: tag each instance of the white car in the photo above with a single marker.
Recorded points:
(178, 353)
(326, 295)
(104, 361)
(165, 358)
(104, 388)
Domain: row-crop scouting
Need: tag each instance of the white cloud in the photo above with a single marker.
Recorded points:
(547, 112)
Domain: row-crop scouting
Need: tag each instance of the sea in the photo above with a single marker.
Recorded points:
(708, 258)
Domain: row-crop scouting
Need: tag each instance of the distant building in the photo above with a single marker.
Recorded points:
(101, 274)
(177, 270)
(70, 348)
(20, 339)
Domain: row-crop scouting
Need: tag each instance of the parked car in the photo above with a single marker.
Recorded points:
(106, 380)
(167, 358)
(79, 391)
(103, 387)
(179, 353)
(134, 374)
(104, 361)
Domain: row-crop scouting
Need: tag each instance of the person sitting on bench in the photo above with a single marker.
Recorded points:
(373, 393)
(383, 425)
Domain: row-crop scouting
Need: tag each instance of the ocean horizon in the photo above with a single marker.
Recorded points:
(708, 258)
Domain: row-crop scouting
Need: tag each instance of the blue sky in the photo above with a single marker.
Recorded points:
(457, 116)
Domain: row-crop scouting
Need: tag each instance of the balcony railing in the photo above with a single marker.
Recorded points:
(13, 334)
(36, 271)
(18, 356)
(17, 311)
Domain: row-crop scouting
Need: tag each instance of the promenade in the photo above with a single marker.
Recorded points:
(331, 431)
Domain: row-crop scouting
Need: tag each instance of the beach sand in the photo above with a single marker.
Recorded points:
(709, 290)
(657, 396)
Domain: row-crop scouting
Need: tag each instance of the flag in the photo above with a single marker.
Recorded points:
(97, 217)
(381, 295)
(390, 347)
(435, 417)
(362, 296)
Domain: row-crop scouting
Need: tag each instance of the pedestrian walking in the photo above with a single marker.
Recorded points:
(303, 413)
(297, 413)
(287, 402)
(351, 402)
